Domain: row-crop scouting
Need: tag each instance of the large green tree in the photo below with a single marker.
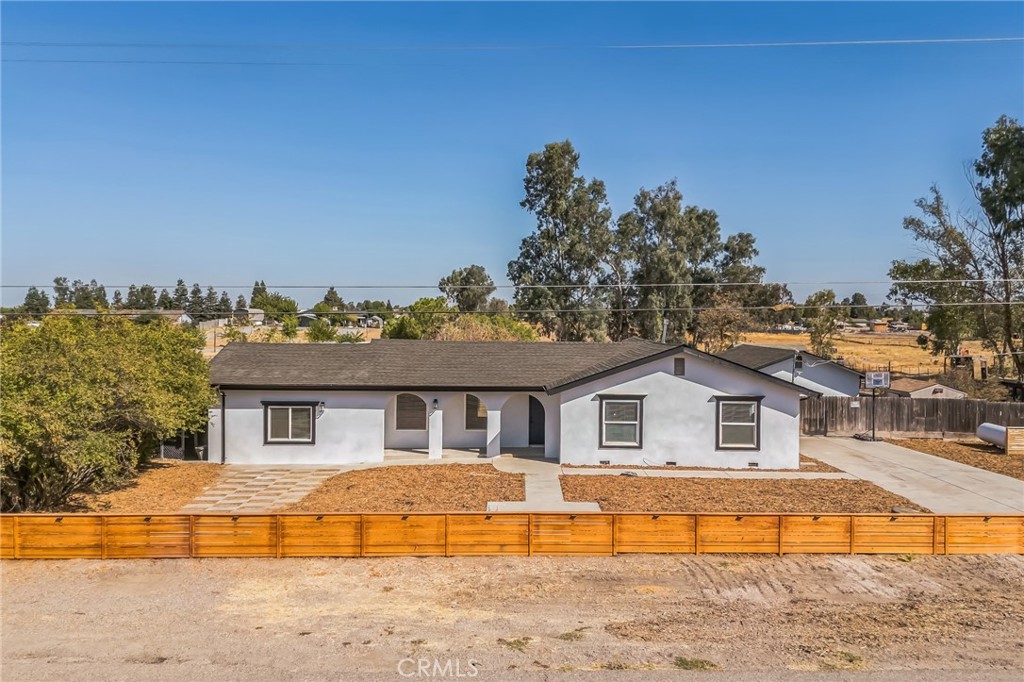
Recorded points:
(36, 302)
(468, 288)
(422, 320)
(84, 399)
(561, 260)
(974, 264)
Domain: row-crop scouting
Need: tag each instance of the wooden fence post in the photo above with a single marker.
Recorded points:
(103, 537)
(853, 534)
(782, 523)
(696, 534)
(615, 527)
(191, 536)
(277, 531)
(447, 542)
(362, 535)
(17, 539)
(529, 535)
(945, 535)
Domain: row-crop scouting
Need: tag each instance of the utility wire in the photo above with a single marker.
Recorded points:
(994, 280)
(89, 312)
(512, 48)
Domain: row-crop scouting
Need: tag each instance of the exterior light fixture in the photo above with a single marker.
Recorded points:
(435, 403)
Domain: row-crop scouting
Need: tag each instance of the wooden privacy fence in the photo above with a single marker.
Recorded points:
(846, 416)
(114, 536)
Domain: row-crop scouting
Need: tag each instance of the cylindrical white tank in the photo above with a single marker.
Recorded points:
(992, 433)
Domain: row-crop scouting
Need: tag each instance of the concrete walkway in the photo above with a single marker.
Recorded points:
(941, 485)
(543, 489)
(255, 489)
(703, 473)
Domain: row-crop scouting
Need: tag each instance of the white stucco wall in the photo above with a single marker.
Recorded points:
(826, 378)
(357, 426)
(350, 430)
(679, 417)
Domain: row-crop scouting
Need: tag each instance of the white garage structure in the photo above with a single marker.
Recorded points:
(633, 402)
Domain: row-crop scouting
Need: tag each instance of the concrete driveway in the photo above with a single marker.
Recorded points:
(944, 486)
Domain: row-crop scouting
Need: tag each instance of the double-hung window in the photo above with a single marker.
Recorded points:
(622, 421)
(739, 424)
(289, 423)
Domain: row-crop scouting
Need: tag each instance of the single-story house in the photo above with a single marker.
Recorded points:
(250, 315)
(175, 317)
(307, 318)
(799, 367)
(633, 402)
(923, 388)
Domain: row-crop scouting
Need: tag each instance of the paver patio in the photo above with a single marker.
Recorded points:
(259, 489)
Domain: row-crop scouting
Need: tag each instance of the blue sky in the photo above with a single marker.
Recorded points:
(394, 166)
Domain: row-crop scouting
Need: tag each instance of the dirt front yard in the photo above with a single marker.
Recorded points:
(627, 493)
(163, 486)
(751, 617)
(426, 488)
(972, 452)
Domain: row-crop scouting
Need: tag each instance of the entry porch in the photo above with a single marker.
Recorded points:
(444, 424)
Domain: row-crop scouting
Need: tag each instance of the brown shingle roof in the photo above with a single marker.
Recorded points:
(392, 363)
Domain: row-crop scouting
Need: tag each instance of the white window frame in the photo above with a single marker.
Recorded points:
(756, 402)
(290, 439)
(639, 422)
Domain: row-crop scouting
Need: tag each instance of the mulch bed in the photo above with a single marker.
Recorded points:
(699, 495)
(806, 464)
(972, 452)
(427, 488)
(162, 487)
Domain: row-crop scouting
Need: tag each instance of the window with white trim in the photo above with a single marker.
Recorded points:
(621, 422)
(289, 424)
(739, 424)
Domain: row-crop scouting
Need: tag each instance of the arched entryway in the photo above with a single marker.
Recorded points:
(536, 422)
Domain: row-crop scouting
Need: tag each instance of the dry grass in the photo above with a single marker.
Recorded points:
(426, 488)
(162, 487)
(972, 452)
(703, 495)
(867, 348)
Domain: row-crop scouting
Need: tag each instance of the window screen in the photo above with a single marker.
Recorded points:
(290, 424)
(738, 423)
(620, 422)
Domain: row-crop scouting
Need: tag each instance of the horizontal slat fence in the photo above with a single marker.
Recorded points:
(111, 536)
(847, 416)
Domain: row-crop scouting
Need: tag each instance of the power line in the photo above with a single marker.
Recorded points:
(512, 48)
(90, 313)
(890, 282)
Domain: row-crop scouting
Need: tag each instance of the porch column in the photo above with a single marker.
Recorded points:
(494, 403)
(552, 425)
(435, 442)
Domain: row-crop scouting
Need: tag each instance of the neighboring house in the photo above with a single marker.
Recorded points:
(250, 315)
(797, 366)
(633, 402)
(306, 318)
(923, 388)
(177, 317)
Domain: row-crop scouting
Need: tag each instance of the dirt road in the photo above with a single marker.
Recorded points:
(507, 618)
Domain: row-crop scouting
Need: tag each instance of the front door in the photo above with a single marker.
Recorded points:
(536, 422)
